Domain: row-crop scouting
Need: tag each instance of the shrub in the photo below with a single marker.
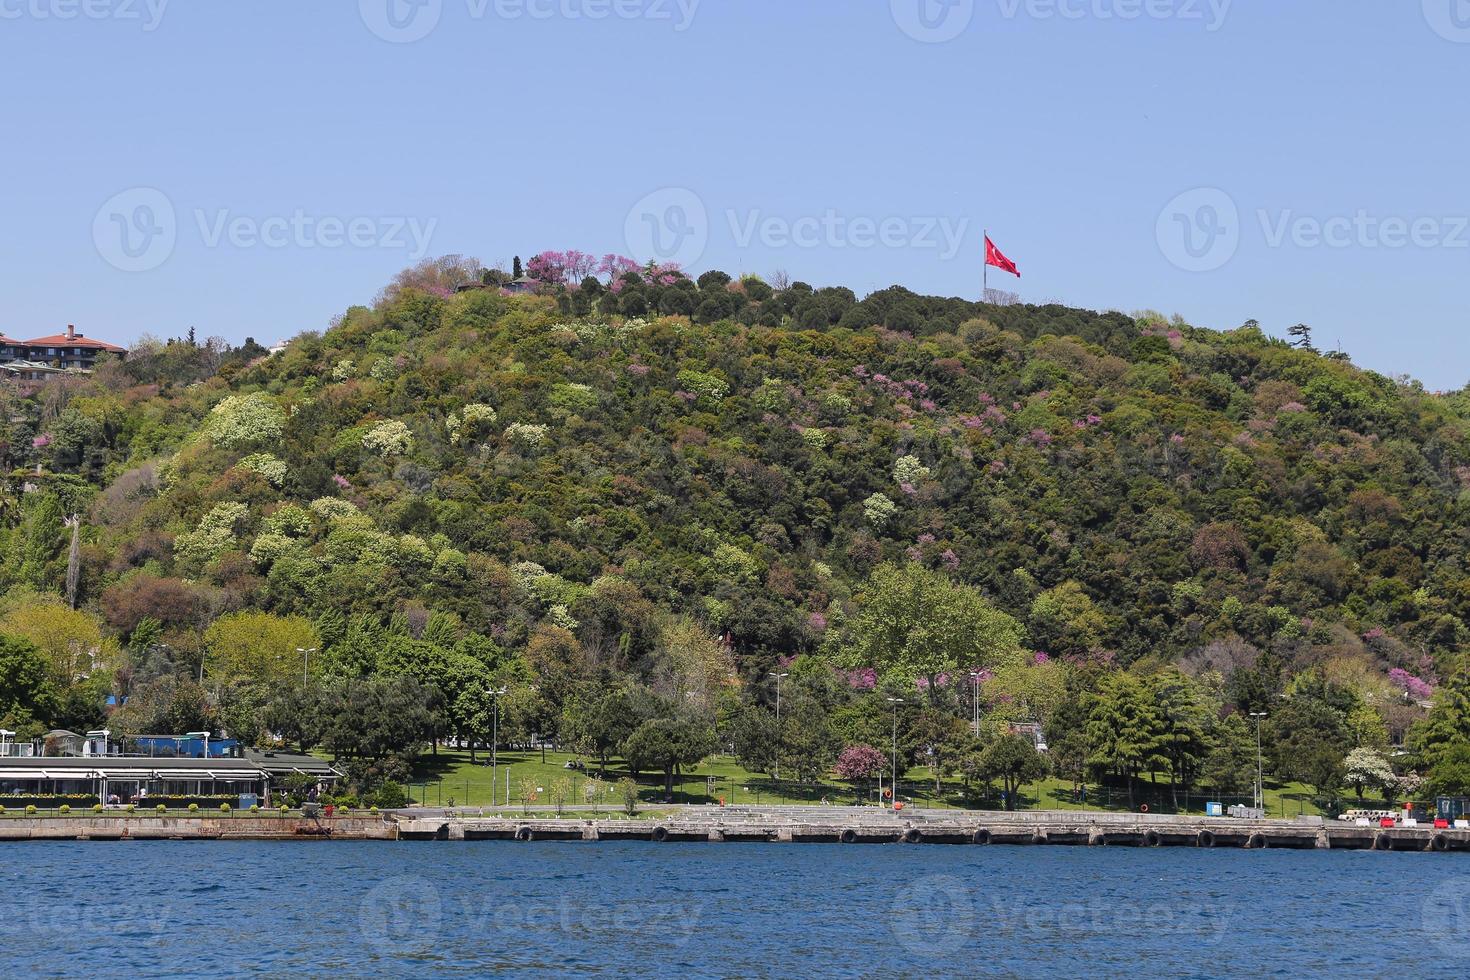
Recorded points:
(628, 789)
(390, 796)
(65, 808)
(284, 808)
(161, 808)
(224, 808)
(388, 439)
(31, 809)
(255, 808)
(193, 807)
(96, 807)
(2, 811)
(242, 420)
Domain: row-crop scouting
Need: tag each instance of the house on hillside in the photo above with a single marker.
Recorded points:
(68, 350)
(524, 286)
(27, 371)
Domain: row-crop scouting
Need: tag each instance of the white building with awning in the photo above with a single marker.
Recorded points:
(127, 778)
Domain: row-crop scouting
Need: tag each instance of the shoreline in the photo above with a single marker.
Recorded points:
(767, 825)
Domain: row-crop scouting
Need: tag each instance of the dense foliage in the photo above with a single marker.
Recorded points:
(643, 487)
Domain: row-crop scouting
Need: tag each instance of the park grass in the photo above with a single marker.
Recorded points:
(450, 779)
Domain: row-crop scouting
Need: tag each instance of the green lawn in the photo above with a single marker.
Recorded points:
(449, 779)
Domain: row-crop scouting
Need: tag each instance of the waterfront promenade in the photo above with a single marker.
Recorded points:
(797, 824)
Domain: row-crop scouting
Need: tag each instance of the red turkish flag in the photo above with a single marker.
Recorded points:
(994, 257)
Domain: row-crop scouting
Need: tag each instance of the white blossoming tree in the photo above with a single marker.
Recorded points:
(388, 439)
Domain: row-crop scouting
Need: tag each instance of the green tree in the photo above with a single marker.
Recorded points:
(257, 646)
(753, 733)
(1451, 773)
(1065, 620)
(1183, 726)
(1123, 729)
(601, 728)
(668, 744)
(26, 685)
(1448, 722)
(943, 740)
(1013, 760)
(916, 623)
(1230, 767)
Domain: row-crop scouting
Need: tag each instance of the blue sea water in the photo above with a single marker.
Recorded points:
(724, 910)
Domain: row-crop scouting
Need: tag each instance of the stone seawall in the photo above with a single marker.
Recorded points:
(814, 825)
(242, 827)
(869, 826)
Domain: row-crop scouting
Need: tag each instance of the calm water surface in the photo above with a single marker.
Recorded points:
(439, 909)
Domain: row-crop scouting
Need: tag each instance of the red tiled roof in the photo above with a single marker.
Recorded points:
(62, 340)
(6, 340)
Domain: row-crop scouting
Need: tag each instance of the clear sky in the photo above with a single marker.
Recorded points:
(253, 168)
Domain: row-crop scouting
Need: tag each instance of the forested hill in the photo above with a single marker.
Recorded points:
(607, 465)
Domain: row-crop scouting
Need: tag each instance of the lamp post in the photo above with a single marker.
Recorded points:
(893, 786)
(306, 653)
(1260, 796)
(778, 722)
(495, 696)
(975, 676)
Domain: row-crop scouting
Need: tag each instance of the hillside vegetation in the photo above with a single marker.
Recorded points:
(629, 502)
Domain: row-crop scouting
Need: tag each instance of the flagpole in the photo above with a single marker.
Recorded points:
(985, 269)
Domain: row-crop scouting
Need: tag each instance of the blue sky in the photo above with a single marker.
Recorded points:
(254, 168)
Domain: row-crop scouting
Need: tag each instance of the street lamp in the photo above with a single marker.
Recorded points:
(778, 721)
(1260, 799)
(203, 735)
(975, 676)
(893, 786)
(306, 653)
(495, 696)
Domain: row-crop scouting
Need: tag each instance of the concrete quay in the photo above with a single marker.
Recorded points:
(107, 827)
(798, 825)
(868, 825)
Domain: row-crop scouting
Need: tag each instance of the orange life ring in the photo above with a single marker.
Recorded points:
(1143, 808)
